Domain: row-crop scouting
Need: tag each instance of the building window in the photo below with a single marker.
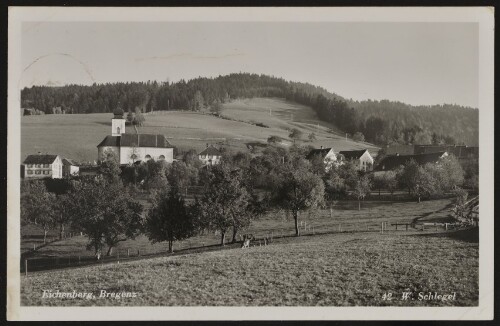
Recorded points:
(162, 157)
(30, 172)
(45, 172)
(38, 172)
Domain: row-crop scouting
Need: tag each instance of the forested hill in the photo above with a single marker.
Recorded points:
(380, 122)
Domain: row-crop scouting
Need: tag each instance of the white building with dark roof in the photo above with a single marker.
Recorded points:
(43, 166)
(210, 155)
(362, 159)
(130, 148)
(69, 168)
(328, 155)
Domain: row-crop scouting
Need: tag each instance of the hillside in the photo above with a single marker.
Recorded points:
(381, 122)
(76, 136)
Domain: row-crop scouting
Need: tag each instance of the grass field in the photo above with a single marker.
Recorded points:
(344, 213)
(77, 136)
(349, 269)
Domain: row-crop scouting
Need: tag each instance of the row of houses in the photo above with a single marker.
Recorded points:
(361, 158)
(364, 161)
(461, 152)
(137, 148)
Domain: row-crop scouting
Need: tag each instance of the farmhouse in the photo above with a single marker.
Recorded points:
(362, 158)
(461, 152)
(327, 154)
(210, 155)
(394, 161)
(43, 166)
(130, 148)
(69, 168)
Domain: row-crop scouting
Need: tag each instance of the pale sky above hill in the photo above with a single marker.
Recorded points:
(416, 63)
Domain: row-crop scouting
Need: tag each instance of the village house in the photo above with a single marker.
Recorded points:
(461, 152)
(131, 148)
(43, 166)
(392, 162)
(327, 154)
(362, 159)
(210, 155)
(69, 168)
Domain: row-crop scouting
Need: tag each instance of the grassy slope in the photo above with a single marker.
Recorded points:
(76, 136)
(324, 270)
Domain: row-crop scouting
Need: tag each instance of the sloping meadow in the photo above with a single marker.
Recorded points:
(350, 269)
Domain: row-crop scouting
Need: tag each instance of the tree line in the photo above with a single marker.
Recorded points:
(231, 195)
(380, 122)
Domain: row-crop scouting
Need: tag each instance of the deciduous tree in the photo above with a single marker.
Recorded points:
(37, 205)
(225, 200)
(295, 134)
(298, 190)
(168, 219)
(105, 213)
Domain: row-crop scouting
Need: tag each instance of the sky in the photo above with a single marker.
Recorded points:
(415, 63)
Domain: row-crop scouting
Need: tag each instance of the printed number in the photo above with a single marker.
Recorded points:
(387, 296)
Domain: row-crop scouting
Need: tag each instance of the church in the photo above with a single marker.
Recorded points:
(131, 148)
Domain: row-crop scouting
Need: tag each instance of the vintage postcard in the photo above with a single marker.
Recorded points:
(250, 163)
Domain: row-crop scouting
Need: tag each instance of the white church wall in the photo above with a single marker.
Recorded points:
(141, 153)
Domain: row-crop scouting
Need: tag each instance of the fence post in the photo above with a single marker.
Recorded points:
(79, 260)
(340, 227)
(138, 252)
(406, 226)
(128, 252)
(25, 267)
(382, 227)
(34, 246)
(446, 226)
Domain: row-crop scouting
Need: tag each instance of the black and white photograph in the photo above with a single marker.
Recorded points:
(250, 163)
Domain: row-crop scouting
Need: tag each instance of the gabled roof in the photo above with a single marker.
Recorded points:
(136, 140)
(211, 151)
(67, 162)
(40, 159)
(394, 161)
(400, 149)
(318, 151)
(353, 155)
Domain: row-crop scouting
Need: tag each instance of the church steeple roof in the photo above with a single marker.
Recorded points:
(118, 113)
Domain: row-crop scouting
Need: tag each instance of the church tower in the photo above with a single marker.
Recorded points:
(117, 123)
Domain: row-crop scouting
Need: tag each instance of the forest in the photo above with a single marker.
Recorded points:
(380, 122)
